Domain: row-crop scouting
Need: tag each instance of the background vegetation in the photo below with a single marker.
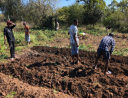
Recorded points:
(42, 13)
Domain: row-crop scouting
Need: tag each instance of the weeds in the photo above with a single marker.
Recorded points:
(11, 95)
(38, 37)
(10, 76)
(87, 48)
(55, 91)
(122, 52)
(96, 30)
(42, 37)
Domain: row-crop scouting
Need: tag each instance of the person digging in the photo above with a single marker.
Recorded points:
(105, 49)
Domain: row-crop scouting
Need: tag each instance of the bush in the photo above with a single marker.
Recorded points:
(116, 21)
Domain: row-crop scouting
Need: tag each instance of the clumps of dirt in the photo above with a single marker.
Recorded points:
(13, 88)
(52, 68)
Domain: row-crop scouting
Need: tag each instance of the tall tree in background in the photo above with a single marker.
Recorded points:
(113, 6)
(116, 16)
(11, 8)
(94, 10)
(76, 12)
(63, 14)
(39, 12)
(123, 5)
(67, 14)
(34, 11)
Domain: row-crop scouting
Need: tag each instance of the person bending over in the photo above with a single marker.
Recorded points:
(106, 48)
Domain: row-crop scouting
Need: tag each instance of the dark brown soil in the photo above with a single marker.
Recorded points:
(51, 68)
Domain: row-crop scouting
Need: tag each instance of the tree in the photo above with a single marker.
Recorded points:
(63, 14)
(113, 5)
(39, 12)
(76, 11)
(11, 8)
(116, 16)
(67, 14)
(94, 10)
(123, 5)
(35, 11)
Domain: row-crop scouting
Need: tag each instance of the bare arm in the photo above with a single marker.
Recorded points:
(113, 46)
(74, 36)
(4, 39)
(4, 36)
(13, 25)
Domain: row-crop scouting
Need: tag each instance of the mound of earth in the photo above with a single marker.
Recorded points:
(13, 88)
(51, 68)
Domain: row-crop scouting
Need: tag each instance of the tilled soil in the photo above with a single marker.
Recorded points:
(51, 68)
(14, 88)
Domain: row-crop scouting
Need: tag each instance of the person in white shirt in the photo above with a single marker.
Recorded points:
(74, 41)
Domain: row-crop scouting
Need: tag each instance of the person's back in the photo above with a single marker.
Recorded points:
(107, 43)
(105, 49)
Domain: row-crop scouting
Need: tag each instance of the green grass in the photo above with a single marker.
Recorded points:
(11, 95)
(86, 47)
(38, 37)
(122, 52)
(96, 30)
(42, 37)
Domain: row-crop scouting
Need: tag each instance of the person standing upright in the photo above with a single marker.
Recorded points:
(8, 34)
(27, 33)
(74, 41)
(106, 48)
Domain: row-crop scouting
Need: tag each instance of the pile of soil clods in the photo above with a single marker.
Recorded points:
(52, 68)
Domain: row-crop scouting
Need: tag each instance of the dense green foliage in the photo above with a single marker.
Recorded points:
(43, 13)
(34, 11)
(67, 14)
(94, 10)
(117, 16)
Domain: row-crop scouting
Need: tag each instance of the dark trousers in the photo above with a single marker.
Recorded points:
(12, 48)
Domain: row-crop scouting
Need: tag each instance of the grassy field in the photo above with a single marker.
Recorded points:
(38, 38)
(61, 39)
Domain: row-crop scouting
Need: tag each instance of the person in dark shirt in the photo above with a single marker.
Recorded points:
(106, 48)
(8, 34)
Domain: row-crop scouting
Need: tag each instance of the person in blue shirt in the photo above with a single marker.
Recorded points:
(105, 49)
